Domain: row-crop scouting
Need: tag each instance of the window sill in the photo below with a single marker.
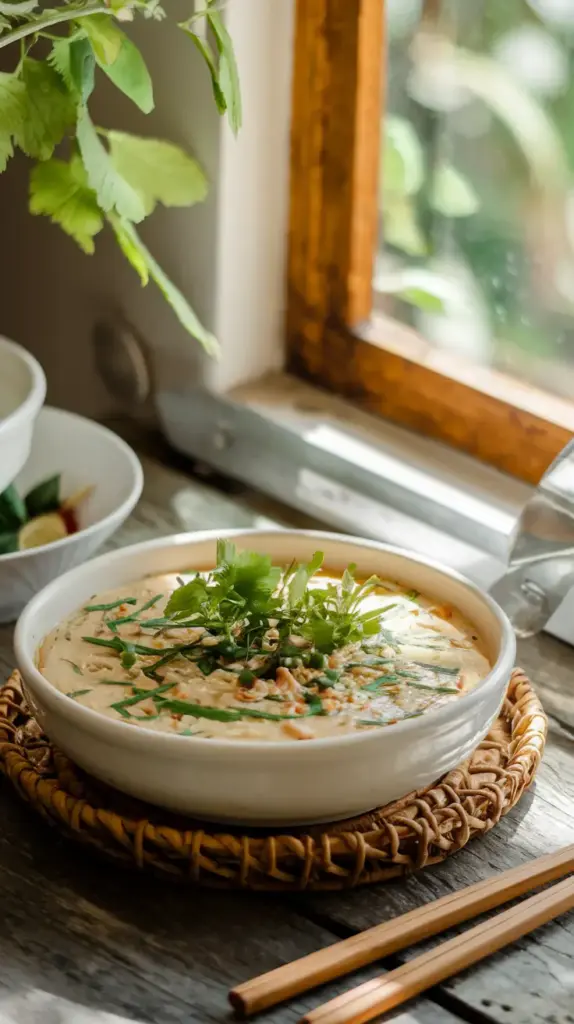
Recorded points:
(312, 450)
(356, 473)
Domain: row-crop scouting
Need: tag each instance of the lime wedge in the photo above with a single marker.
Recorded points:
(42, 530)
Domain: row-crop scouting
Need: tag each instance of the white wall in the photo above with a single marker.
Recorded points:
(223, 254)
(253, 197)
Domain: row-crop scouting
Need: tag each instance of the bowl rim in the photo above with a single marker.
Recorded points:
(154, 741)
(35, 398)
(122, 509)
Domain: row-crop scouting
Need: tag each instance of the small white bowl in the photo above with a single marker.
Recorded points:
(22, 394)
(85, 453)
(261, 782)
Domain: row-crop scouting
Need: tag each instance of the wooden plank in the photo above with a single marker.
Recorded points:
(530, 983)
(81, 937)
(86, 941)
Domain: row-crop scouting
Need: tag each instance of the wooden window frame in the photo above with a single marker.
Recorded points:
(332, 337)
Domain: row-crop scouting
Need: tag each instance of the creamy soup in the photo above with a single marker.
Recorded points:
(123, 656)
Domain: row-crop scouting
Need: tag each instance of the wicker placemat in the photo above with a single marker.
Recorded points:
(411, 833)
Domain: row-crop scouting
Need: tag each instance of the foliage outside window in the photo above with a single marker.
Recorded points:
(477, 182)
(101, 176)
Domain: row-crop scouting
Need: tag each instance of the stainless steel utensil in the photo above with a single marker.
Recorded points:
(541, 561)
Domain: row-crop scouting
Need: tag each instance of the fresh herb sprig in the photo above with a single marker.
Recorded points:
(245, 593)
(257, 613)
(103, 177)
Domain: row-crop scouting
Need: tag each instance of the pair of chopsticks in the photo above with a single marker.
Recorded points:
(390, 990)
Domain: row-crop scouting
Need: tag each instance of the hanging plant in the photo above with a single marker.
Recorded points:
(102, 176)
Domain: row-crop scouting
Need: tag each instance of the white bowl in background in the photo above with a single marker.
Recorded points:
(22, 394)
(272, 783)
(85, 453)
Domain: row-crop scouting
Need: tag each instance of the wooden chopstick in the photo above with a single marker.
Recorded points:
(382, 940)
(390, 990)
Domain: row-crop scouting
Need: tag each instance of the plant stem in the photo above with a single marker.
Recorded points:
(52, 18)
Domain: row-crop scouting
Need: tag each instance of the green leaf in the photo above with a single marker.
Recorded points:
(61, 191)
(209, 57)
(303, 574)
(314, 703)
(228, 76)
(130, 248)
(321, 633)
(226, 551)
(12, 112)
(253, 576)
(82, 67)
(134, 249)
(159, 171)
(113, 191)
(12, 100)
(401, 228)
(19, 8)
(422, 299)
(12, 509)
(188, 599)
(45, 497)
(74, 61)
(8, 542)
(59, 59)
(420, 286)
(452, 194)
(49, 110)
(130, 74)
(104, 35)
(403, 165)
(6, 151)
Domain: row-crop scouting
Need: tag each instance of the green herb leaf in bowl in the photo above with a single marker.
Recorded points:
(8, 542)
(12, 509)
(45, 497)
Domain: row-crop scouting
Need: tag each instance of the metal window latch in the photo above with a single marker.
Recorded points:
(541, 562)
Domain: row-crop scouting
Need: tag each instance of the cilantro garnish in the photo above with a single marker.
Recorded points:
(254, 618)
(245, 591)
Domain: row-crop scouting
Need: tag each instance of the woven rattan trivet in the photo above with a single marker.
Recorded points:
(418, 830)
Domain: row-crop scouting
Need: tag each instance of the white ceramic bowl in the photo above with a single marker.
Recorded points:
(22, 394)
(84, 453)
(266, 783)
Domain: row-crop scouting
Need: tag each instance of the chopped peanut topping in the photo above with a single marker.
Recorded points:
(296, 731)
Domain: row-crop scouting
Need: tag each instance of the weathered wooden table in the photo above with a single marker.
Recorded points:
(83, 942)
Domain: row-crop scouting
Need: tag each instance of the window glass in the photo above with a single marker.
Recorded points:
(477, 182)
